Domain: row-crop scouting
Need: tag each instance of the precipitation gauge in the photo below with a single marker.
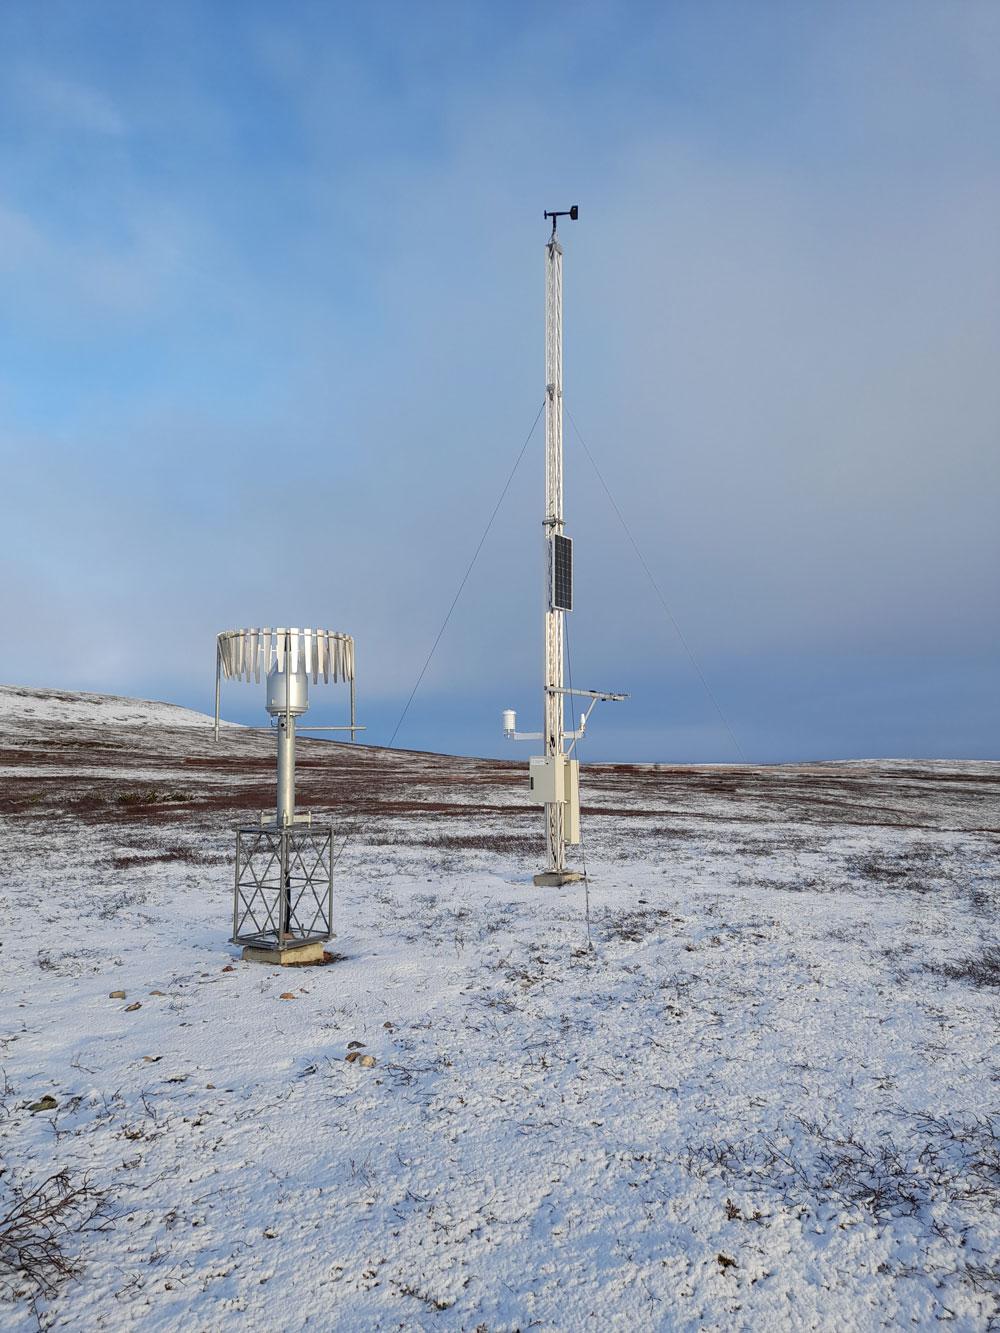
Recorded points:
(283, 891)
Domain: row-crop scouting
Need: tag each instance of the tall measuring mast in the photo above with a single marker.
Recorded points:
(553, 703)
(554, 777)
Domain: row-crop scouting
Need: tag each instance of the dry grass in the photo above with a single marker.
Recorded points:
(953, 1159)
(176, 853)
(982, 969)
(517, 844)
(632, 925)
(36, 1230)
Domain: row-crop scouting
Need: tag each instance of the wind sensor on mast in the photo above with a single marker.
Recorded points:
(554, 777)
(571, 213)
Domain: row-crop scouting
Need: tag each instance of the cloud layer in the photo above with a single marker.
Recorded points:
(271, 340)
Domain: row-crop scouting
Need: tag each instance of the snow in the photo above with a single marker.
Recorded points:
(767, 1097)
(21, 703)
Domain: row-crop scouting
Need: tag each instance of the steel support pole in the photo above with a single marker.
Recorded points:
(286, 749)
(218, 682)
(329, 881)
(285, 912)
(286, 790)
(236, 887)
(286, 770)
(553, 713)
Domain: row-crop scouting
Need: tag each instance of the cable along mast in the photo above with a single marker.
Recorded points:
(554, 776)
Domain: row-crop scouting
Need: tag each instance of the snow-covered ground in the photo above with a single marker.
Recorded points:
(20, 705)
(766, 1098)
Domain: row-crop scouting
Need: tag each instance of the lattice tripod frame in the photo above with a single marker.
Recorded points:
(283, 896)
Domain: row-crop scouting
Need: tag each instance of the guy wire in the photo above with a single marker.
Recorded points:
(361, 821)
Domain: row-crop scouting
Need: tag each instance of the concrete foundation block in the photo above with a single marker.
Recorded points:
(283, 956)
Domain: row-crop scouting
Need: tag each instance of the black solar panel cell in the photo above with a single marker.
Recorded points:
(561, 558)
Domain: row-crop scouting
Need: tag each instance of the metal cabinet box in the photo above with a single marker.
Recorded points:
(556, 779)
(571, 806)
(546, 778)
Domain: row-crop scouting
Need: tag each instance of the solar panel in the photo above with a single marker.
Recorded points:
(561, 567)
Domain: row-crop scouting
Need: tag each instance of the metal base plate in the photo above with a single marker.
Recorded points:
(554, 878)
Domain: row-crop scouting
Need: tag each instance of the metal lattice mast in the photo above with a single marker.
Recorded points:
(554, 777)
(553, 526)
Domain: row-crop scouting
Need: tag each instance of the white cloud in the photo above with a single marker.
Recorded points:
(780, 344)
(68, 104)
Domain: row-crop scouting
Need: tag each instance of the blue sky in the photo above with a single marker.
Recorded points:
(271, 338)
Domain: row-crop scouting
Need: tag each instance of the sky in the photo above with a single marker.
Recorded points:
(271, 336)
